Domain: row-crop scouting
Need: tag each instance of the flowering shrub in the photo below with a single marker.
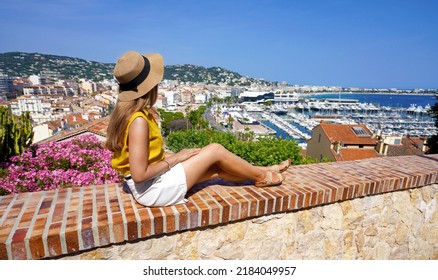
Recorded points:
(81, 161)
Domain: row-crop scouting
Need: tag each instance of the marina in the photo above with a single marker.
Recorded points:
(295, 120)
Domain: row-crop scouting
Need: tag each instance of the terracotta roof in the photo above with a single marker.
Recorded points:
(408, 146)
(346, 134)
(98, 127)
(73, 119)
(55, 124)
(356, 154)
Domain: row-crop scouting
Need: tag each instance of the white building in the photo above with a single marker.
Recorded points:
(200, 98)
(170, 97)
(39, 111)
(35, 79)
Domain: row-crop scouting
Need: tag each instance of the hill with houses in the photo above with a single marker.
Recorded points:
(22, 64)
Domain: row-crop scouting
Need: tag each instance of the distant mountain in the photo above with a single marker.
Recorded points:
(21, 64)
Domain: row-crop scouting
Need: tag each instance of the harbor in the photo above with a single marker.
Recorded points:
(295, 120)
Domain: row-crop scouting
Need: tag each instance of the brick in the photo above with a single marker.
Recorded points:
(18, 250)
(299, 197)
(132, 226)
(220, 208)
(3, 252)
(36, 247)
(170, 219)
(256, 201)
(281, 198)
(54, 240)
(146, 223)
(118, 230)
(87, 233)
(72, 241)
(5, 202)
(243, 203)
(269, 201)
(215, 208)
(193, 215)
(205, 210)
(130, 216)
(158, 220)
(183, 216)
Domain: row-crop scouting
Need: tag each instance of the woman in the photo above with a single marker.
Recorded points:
(154, 177)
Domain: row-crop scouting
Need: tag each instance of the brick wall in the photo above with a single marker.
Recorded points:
(65, 222)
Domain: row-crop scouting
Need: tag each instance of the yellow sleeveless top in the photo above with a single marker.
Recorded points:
(120, 160)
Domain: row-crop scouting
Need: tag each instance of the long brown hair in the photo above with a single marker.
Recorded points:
(120, 117)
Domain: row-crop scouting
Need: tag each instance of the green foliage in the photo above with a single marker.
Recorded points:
(16, 133)
(263, 152)
(24, 64)
(212, 75)
(167, 118)
(196, 118)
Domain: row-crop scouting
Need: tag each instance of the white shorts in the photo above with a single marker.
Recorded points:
(169, 188)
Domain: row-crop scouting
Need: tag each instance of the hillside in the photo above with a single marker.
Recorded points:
(21, 64)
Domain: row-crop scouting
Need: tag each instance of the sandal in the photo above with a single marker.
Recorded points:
(272, 178)
(289, 162)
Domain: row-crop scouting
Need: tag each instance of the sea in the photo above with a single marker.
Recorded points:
(380, 100)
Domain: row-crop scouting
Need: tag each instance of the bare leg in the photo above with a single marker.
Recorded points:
(198, 167)
(215, 172)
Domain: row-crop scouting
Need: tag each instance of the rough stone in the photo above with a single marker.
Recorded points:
(332, 217)
(371, 230)
(353, 220)
(401, 233)
(264, 219)
(230, 252)
(383, 251)
(428, 208)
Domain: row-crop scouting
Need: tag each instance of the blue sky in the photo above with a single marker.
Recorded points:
(333, 42)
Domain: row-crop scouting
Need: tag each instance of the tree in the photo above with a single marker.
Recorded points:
(16, 133)
(432, 141)
(167, 118)
(196, 118)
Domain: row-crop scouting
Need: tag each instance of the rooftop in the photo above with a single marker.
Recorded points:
(349, 134)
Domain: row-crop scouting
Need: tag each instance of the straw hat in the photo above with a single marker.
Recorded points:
(137, 74)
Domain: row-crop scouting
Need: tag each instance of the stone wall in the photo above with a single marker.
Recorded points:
(395, 225)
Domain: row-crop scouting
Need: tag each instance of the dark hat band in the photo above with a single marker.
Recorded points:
(132, 85)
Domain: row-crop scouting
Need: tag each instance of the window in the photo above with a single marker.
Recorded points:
(319, 138)
(359, 131)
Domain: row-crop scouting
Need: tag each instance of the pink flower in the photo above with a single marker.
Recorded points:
(81, 161)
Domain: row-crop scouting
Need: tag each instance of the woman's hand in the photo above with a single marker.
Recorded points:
(186, 154)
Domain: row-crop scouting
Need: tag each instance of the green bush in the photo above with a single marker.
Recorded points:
(262, 152)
